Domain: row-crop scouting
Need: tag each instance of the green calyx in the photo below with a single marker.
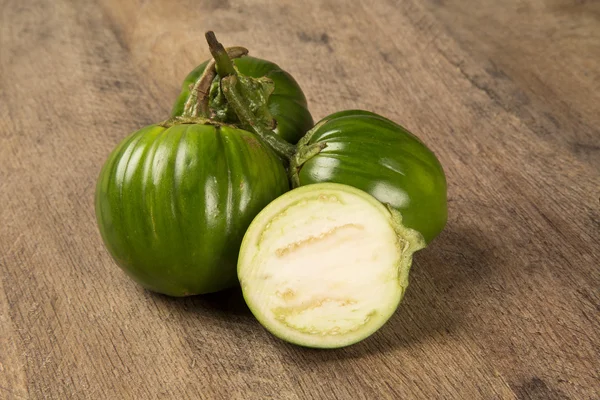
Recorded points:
(208, 100)
(247, 97)
(304, 152)
(199, 104)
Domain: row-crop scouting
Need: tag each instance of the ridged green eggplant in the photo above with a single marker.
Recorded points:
(173, 203)
(286, 107)
(372, 153)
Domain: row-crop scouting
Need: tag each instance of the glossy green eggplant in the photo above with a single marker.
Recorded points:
(285, 101)
(374, 154)
(173, 203)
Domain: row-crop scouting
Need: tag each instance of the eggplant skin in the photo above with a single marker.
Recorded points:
(287, 104)
(374, 154)
(172, 204)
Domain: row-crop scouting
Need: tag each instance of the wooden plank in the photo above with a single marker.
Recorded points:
(504, 304)
(538, 60)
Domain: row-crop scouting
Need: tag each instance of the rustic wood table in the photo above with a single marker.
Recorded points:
(504, 304)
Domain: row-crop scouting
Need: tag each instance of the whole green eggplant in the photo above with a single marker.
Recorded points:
(173, 203)
(374, 154)
(273, 93)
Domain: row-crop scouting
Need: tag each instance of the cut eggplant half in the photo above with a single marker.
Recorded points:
(326, 265)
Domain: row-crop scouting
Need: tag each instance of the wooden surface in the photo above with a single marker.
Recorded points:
(504, 304)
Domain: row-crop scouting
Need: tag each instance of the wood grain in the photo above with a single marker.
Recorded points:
(505, 304)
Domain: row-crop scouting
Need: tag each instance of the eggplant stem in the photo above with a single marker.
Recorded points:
(224, 64)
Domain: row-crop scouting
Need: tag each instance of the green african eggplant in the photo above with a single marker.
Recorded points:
(374, 154)
(326, 265)
(273, 95)
(173, 203)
